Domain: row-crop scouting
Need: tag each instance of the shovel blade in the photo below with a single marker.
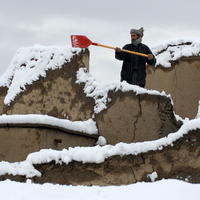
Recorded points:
(80, 41)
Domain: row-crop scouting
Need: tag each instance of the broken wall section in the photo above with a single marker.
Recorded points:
(136, 118)
(177, 72)
(128, 113)
(42, 80)
(54, 93)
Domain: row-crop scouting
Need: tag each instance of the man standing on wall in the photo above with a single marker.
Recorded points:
(134, 66)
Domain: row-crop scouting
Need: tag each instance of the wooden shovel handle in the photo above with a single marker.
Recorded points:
(134, 52)
(124, 50)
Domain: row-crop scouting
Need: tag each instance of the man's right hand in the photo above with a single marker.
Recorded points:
(117, 49)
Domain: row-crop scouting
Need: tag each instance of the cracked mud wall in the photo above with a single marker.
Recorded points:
(181, 81)
(135, 118)
(178, 161)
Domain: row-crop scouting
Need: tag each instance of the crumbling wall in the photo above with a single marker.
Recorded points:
(136, 118)
(57, 94)
(181, 81)
(178, 161)
(129, 117)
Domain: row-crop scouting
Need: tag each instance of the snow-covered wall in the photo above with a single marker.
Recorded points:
(174, 156)
(171, 51)
(31, 63)
(45, 107)
(177, 72)
(40, 81)
(130, 110)
(54, 81)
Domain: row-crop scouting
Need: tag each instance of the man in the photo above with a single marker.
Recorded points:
(134, 66)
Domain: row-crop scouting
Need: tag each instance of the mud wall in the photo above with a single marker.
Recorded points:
(135, 118)
(56, 95)
(128, 117)
(181, 81)
(17, 142)
(180, 161)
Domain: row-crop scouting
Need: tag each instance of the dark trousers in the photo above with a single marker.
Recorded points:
(134, 80)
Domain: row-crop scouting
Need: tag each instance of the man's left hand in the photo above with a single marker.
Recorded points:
(150, 56)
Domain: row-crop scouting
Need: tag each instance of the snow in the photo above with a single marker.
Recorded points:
(100, 92)
(164, 189)
(153, 176)
(101, 141)
(18, 168)
(173, 50)
(96, 154)
(198, 112)
(88, 126)
(31, 63)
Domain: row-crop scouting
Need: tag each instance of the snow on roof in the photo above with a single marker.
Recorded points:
(31, 63)
(100, 92)
(198, 111)
(88, 126)
(173, 50)
(96, 154)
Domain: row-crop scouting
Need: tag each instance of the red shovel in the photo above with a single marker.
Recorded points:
(81, 41)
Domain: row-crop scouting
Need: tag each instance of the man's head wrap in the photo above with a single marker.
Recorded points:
(139, 32)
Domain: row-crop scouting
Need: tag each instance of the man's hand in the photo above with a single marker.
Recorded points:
(150, 56)
(117, 49)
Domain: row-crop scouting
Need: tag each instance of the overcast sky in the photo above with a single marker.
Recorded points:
(48, 22)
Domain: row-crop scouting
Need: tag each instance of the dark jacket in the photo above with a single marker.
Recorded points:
(134, 66)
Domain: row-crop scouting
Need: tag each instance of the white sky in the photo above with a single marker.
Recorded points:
(46, 22)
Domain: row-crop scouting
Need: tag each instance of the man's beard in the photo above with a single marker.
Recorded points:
(136, 42)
